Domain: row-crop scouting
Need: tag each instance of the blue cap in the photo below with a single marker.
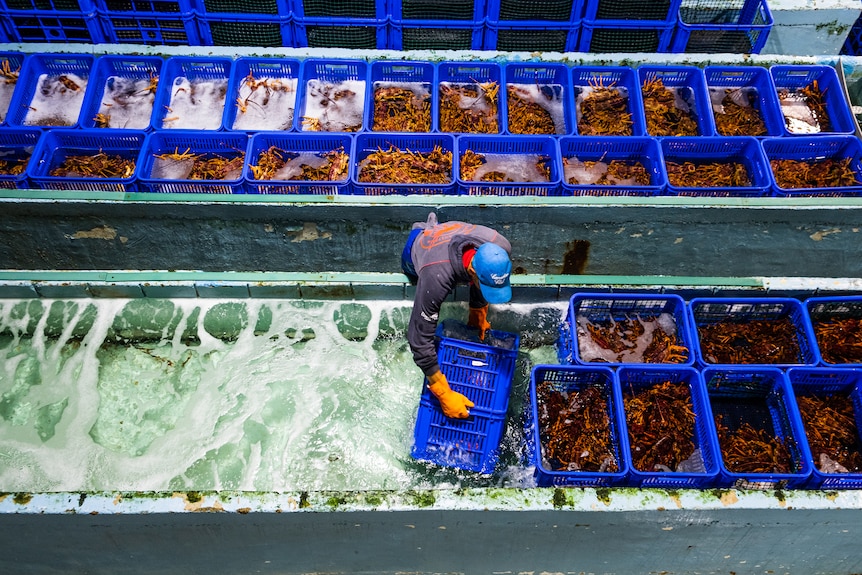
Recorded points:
(491, 263)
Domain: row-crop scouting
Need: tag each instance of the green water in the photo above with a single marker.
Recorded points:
(155, 395)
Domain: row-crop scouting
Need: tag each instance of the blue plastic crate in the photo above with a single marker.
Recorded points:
(16, 148)
(665, 311)
(454, 74)
(586, 158)
(12, 62)
(262, 8)
(419, 77)
(300, 148)
(153, 28)
(824, 310)
(55, 146)
(121, 89)
(823, 383)
(182, 76)
(368, 143)
(480, 370)
(586, 79)
(456, 11)
(246, 30)
(853, 43)
(762, 398)
(701, 467)
(625, 36)
(545, 84)
(152, 6)
(722, 26)
(262, 94)
(517, 158)
(814, 151)
(58, 5)
(343, 9)
(746, 86)
(207, 145)
(737, 150)
(350, 33)
(789, 79)
(643, 10)
(435, 35)
(42, 98)
(532, 37)
(323, 84)
(471, 444)
(709, 311)
(555, 12)
(569, 379)
(53, 26)
(689, 84)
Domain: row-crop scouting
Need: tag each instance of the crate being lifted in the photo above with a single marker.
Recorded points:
(481, 371)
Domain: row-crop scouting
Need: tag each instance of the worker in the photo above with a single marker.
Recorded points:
(436, 257)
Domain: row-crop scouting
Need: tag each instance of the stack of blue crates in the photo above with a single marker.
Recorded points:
(483, 372)
(505, 25)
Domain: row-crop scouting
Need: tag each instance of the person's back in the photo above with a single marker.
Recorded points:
(437, 257)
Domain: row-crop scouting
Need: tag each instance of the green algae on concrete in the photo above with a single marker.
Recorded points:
(352, 320)
(225, 321)
(146, 319)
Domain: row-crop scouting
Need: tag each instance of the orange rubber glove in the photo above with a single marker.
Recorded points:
(453, 403)
(478, 318)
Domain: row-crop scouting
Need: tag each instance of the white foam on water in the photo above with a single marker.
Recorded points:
(269, 107)
(517, 167)
(195, 105)
(128, 102)
(294, 406)
(336, 106)
(479, 103)
(549, 97)
(54, 103)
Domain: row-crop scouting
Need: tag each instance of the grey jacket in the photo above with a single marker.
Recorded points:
(437, 257)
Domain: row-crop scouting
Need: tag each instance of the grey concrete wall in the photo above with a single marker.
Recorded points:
(773, 541)
(734, 239)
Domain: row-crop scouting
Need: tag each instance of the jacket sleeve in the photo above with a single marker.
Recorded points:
(431, 289)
